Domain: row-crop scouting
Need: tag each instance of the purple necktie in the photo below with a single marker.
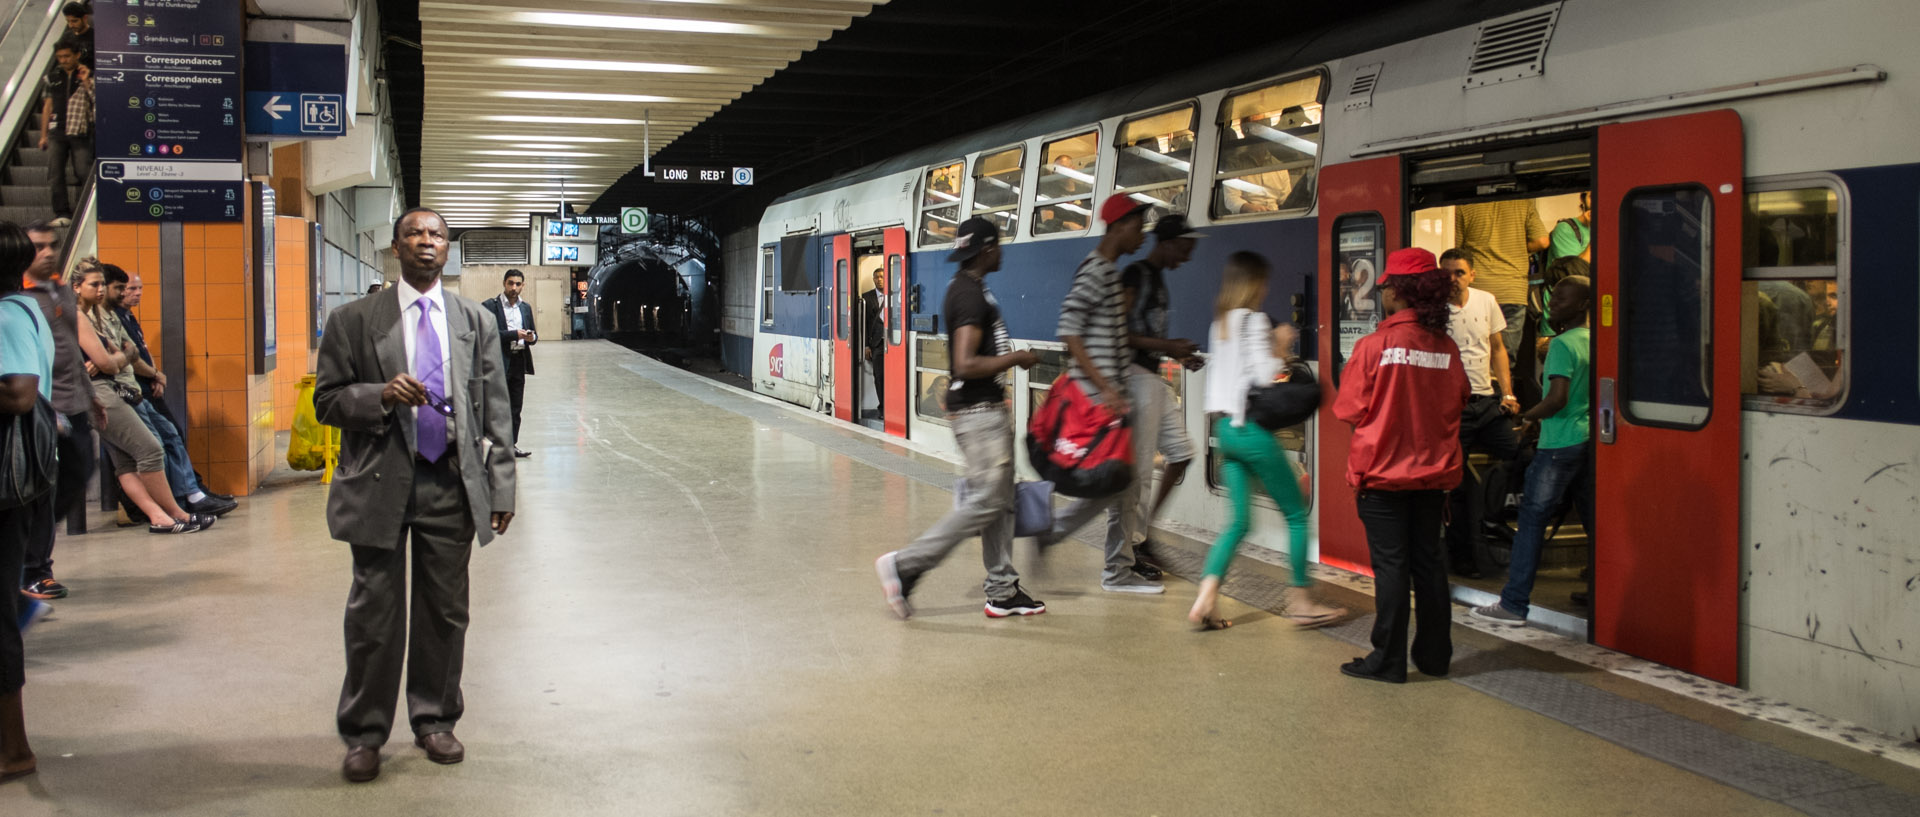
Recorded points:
(430, 426)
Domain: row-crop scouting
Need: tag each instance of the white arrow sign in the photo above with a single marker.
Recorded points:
(274, 108)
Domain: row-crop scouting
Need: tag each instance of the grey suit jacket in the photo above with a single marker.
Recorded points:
(363, 348)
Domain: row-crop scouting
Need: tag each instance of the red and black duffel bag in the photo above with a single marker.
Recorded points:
(1079, 446)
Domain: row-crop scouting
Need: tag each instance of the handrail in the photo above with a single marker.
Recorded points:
(83, 236)
(26, 49)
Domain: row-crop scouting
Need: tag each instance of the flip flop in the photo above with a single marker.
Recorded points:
(1212, 623)
(1313, 622)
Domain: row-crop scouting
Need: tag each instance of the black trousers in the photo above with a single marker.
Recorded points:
(1486, 429)
(1403, 539)
(516, 386)
(75, 451)
(427, 634)
(64, 151)
(14, 526)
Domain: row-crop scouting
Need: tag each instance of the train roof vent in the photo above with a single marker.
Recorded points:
(1512, 47)
(1360, 93)
(494, 247)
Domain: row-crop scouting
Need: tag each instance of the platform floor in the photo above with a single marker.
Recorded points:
(684, 620)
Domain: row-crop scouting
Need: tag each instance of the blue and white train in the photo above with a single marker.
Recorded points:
(1755, 181)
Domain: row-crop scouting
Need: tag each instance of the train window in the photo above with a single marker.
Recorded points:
(896, 301)
(1269, 147)
(1155, 159)
(1358, 257)
(932, 375)
(845, 285)
(1793, 327)
(996, 189)
(767, 272)
(1053, 363)
(940, 204)
(1666, 304)
(1064, 202)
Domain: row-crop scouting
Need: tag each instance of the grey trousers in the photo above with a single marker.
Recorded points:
(986, 443)
(379, 617)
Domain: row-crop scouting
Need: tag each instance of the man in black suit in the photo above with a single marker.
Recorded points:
(413, 379)
(515, 319)
(874, 303)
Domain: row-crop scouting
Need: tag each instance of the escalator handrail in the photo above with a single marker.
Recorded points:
(85, 212)
(21, 99)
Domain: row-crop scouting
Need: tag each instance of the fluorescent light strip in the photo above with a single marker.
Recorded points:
(565, 154)
(620, 21)
(566, 120)
(585, 96)
(608, 65)
(531, 165)
(503, 137)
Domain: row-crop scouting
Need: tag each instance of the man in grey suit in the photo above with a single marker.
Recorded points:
(413, 378)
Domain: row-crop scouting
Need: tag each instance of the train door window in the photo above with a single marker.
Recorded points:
(940, 203)
(1793, 322)
(844, 283)
(1666, 306)
(896, 301)
(1064, 200)
(1269, 148)
(933, 378)
(1154, 159)
(767, 271)
(996, 189)
(1357, 258)
(1053, 364)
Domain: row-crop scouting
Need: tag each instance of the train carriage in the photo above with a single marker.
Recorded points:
(1756, 195)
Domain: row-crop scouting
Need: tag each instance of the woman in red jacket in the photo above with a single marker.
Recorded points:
(1402, 390)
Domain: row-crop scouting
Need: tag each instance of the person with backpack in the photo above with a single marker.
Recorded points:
(1403, 390)
(1093, 323)
(1561, 466)
(982, 423)
(1573, 236)
(26, 379)
(1248, 352)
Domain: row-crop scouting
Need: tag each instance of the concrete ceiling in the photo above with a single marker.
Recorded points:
(521, 100)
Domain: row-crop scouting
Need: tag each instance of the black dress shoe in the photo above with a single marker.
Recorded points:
(442, 747)
(210, 505)
(521, 452)
(362, 764)
(1357, 668)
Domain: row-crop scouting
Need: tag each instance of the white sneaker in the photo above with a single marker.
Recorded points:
(888, 568)
(1133, 583)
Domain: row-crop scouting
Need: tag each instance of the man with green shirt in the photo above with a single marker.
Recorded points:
(1562, 462)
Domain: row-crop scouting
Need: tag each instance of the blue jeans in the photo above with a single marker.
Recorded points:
(179, 469)
(1553, 473)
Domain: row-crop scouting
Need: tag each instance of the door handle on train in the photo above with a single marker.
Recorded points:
(1606, 410)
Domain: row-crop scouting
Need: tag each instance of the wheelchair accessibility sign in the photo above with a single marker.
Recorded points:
(320, 114)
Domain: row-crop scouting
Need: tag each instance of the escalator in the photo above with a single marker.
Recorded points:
(31, 28)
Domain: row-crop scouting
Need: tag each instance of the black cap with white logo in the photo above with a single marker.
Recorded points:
(974, 237)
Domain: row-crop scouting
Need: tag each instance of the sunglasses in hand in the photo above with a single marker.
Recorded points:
(434, 401)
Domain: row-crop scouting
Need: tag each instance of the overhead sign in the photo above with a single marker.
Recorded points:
(167, 79)
(687, 174)
(296, 90)
(634, 220)
(573, 241)
(170, 191)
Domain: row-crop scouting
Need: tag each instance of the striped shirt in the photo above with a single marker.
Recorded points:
(1494, 236)
(1096, 312)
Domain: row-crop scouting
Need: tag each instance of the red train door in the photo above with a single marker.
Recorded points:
(894, 245)
(1361, 217)
(846, 366)
(1666, 333)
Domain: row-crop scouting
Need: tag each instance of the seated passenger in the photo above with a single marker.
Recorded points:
(933, 401)
(1561, 462)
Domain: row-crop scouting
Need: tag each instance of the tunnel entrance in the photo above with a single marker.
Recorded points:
(645, 303)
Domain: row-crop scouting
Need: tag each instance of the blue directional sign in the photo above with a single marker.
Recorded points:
(141, 190)
(167, 79)
(296, 90)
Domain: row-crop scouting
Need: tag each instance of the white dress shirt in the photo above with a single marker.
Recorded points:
(512, 313)
(410, 329)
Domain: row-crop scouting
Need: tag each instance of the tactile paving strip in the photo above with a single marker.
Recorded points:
(1811, 786)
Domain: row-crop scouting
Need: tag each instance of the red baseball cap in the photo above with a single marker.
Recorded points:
(1119, 206)
(1410, 261)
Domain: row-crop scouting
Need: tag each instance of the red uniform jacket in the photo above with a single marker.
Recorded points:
(1402, 391)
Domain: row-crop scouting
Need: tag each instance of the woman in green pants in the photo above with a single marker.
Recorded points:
(1243, 343)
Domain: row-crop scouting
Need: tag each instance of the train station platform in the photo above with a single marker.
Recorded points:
(684, 620)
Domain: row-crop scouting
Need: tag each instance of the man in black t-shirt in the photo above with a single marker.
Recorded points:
(981, 353)
(1157, 421)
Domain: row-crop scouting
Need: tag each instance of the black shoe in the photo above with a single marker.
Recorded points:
(1019, 604)
(191, 526)
(209, 506)
(1469, 572)
(1357, 668)
(521, 452)
(1582, 598)
(1146, 571)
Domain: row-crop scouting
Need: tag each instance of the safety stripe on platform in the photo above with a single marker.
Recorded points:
(1811, 786)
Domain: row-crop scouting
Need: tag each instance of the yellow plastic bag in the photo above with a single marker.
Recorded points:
(307, 447)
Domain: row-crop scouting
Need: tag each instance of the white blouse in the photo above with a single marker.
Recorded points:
(1240, 360)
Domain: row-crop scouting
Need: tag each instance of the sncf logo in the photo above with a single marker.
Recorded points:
(777, 361)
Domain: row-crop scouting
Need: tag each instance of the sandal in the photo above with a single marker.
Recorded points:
(1212, 623)
(190, 526)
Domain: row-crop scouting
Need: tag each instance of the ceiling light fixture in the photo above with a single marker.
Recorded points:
(567, 120)
(609, 65)
(503, 137)
(560, 153)
(632, 23)
(587, 96)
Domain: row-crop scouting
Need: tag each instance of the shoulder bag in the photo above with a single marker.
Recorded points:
(27, 441)
(1284, 403)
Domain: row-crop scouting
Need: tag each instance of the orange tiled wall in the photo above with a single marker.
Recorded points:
(229, 409)
(295, 321)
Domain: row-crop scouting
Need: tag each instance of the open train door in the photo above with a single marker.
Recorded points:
(894, 402)
(1667, 392)
(1362, 213)
(846, 365)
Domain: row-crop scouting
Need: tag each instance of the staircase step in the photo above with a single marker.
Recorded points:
(25, 195)
(25, 215)
(26, 176)
(30, 157)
